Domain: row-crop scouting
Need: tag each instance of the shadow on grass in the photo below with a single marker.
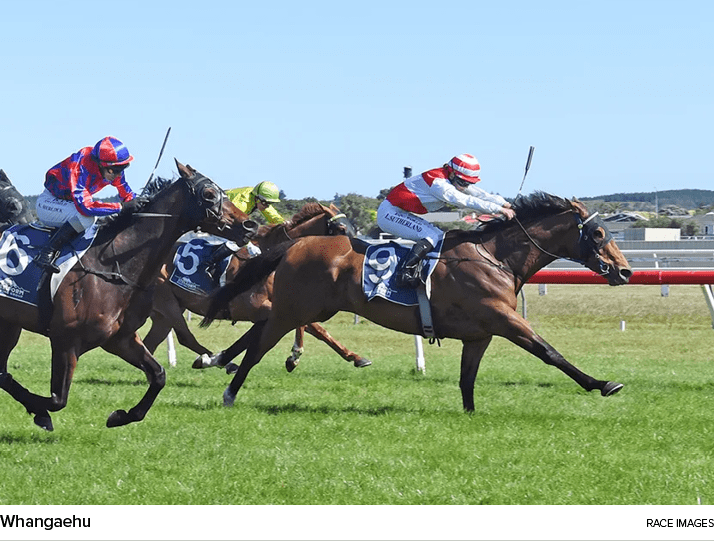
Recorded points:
(325, 410)
(109, 382)
(32, 438)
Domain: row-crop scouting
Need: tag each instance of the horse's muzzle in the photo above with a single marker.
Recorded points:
(250, 227)
(619, 276)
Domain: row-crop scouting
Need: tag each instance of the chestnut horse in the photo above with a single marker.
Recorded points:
(170, 300)
(474, 286)
(106, 296)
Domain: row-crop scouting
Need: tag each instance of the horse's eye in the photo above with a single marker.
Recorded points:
(211, 195)
(598, 235)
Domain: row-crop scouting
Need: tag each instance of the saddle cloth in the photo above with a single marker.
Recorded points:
(19, 246)
(380, 263)
(189, 270)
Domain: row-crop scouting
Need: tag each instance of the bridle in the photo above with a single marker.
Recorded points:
(586, 242)
(209, 202)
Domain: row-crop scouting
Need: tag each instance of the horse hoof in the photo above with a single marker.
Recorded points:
(362, 363)
(611, 388)
(44, 422)
(201, 362)
(118, 418)
(291, 364)
(228, 398)
(231, 368)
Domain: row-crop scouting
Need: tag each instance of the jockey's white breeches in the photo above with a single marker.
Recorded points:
(406, 225)
(55, 212)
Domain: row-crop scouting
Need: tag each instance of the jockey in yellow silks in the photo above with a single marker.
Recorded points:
(249, 199)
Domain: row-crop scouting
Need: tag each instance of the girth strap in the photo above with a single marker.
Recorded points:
(427, 325)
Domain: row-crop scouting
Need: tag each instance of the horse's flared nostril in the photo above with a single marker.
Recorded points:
(251, 227)
(626, 273)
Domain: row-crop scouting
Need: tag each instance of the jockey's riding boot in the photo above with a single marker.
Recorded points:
(48, 254)
(227, 249)
(409, 272)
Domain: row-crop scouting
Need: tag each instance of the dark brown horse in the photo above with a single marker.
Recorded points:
(14, 208)
(170, 300)
(474, 286)
(106, 296)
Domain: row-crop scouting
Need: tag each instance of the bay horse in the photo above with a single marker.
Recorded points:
(170, 300)
(474, 286)
(106, 296)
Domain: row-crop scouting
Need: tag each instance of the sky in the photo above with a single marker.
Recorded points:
(326, 98)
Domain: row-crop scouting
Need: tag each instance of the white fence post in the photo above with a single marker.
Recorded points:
(420, 361)
(709, 297)
(171, 348)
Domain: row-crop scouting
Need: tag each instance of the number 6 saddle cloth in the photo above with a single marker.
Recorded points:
(19, 245)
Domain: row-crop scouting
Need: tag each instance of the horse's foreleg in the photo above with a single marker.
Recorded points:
(320, 333)
(471, 355)
(520, 332)
(131, 349)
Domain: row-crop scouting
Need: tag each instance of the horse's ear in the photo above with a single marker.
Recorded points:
(185, 171)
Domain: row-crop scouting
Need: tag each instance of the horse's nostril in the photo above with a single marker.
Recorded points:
(626, 273)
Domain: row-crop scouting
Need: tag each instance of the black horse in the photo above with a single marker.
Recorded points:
(106, 297)
(14, 208)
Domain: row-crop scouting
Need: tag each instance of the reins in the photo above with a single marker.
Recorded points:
(581, 227)
(193, 187)
(494, 262)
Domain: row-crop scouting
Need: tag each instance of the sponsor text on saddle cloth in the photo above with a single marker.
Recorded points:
(19, 246)
(380, 263)
(189, 269)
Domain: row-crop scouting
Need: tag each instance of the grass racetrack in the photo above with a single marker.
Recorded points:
(332, 434)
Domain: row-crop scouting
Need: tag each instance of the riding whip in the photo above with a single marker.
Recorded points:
(528, 165)
(162, 152)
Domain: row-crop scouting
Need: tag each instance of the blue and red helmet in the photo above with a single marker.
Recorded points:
(111, 152)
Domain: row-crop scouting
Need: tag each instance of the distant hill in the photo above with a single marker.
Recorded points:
(686, 198)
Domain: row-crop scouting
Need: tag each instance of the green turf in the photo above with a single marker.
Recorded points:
(332, 434)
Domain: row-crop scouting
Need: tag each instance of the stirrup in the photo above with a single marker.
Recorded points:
(48, 262)
(409, 277)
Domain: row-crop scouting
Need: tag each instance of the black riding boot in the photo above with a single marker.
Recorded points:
(217, 256)
(49, 253)
(408, 274)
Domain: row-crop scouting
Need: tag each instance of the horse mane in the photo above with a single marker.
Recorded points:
(308, 211)
(534, 206)
(147, 195)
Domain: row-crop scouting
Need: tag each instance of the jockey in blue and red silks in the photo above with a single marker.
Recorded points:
(67, 200)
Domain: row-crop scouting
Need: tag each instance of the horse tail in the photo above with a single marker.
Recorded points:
(250, 273)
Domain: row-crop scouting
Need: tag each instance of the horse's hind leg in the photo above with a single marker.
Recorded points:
(521, 333)
(471, 355)
(158, 332)
(320, 333)
(131, 349)
(33, 403)
(224, 358)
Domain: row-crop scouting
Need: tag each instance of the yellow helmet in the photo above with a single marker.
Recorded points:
(267, 191)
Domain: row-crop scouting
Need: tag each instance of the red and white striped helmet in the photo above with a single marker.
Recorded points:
(466, 167)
